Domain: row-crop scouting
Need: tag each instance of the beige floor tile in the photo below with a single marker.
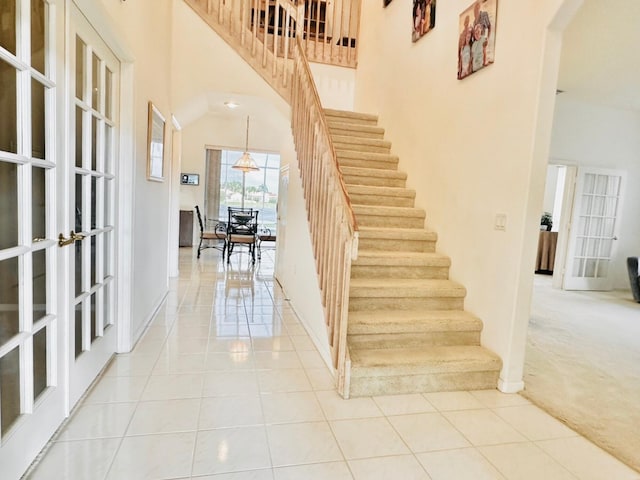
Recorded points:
(337, 408)
(284, 380)
(168, 387)
(165, 416)
(76, 460)
(229, 383)
(250, 475)
(229, 361)
(404, 467)
(303, 343)
(117, 389)
(495, 398)
(586, 460)
(403, 404)
(98, 421)
(174, 364)
(302, 443)
(291, 407)
(441, 434)
(534, 423)
(463, 464)
(235, 345)
(311, 359)
(321, 378)
(131, 365)
(483, 427)
(369, 437)
(230, 411)
(231, 450)
(525, 461)
(146, 457)
(318, 471)
(280, 343)
(277, 360)
(451, 401)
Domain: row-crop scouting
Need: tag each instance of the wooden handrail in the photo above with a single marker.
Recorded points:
(332, 223)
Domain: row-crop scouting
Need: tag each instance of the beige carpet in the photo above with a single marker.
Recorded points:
(583, 364)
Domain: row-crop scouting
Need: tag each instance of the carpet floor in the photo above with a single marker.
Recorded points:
(583, 364)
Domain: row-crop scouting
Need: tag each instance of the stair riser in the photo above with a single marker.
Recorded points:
(413, 340)
(356, 133)
(444, 382)
(397, 245)
(358, 163)
(381, 200)
(405, 303)
(389, 221)
(374, 181)
(360, 147)
(389, 271)
(333, 119)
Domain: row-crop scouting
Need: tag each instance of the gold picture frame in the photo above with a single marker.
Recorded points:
(155, 145)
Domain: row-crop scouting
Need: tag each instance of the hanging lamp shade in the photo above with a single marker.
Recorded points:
(245, 162)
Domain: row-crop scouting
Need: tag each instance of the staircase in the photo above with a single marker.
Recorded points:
(407, 329)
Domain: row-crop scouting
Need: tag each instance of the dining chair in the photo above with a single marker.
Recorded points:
(242, 229)
(206, 236)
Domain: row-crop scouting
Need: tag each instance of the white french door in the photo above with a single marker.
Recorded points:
(94, 90)
(594, 229)
(32, 389)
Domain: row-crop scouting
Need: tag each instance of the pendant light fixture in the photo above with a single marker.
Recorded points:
(245, 162)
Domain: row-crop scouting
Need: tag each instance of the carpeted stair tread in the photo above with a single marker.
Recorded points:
(369, 362)
(405, 288)
(351, 140)
(391, 233)
(397, 321)
(338, 127)
(373, 172)
(356, 155)
(381, 191)
(395, 258)
(351, 117)
(395, 212)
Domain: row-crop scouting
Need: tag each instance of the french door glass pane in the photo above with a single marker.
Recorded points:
(38, 197)
(78, 330)
(8, 26)
(38, 29)
(39, 362)
(39, 284)
(9, 299)
(9, 389)
(108, 292)
(97, 87)
(107, 94)
(78, 212)
(80, 76)
(94, 318)
(38, 119)
(78, 269)
(78, 136)
(9, 202)
(108, 149)
(94, 141)
(107, 254)
(108, 195)
(8, 119)
(94, 194)
(94, 269)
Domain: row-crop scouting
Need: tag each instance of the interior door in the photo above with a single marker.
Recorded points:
(94, 90)
(32, 389)
(594, 229)
(283, 199)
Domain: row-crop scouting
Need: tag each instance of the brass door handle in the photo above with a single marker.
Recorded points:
(73, 237)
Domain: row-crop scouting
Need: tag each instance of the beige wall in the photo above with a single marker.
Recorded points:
(472, 148)
(144, 30)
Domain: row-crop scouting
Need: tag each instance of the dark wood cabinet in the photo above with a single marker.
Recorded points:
(186, 228)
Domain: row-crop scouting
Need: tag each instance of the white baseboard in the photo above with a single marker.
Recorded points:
(510, 387)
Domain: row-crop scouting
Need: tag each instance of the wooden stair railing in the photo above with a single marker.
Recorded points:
(332, 223)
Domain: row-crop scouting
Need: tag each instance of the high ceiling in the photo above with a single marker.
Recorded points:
(601, 54)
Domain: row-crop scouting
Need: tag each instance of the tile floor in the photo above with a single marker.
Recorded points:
(226, 385)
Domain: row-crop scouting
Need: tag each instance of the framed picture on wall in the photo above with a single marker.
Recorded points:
(386, 2)
(155, 145)
(477, 37)
(424, 18)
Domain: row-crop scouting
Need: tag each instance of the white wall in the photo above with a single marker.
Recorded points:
(472, 148)
(336, 85)
(597, 136)
(137, 23)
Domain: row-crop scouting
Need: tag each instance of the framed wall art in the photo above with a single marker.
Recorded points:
(386, 2)
(155, 145)
(424, 18)
(477, 37)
